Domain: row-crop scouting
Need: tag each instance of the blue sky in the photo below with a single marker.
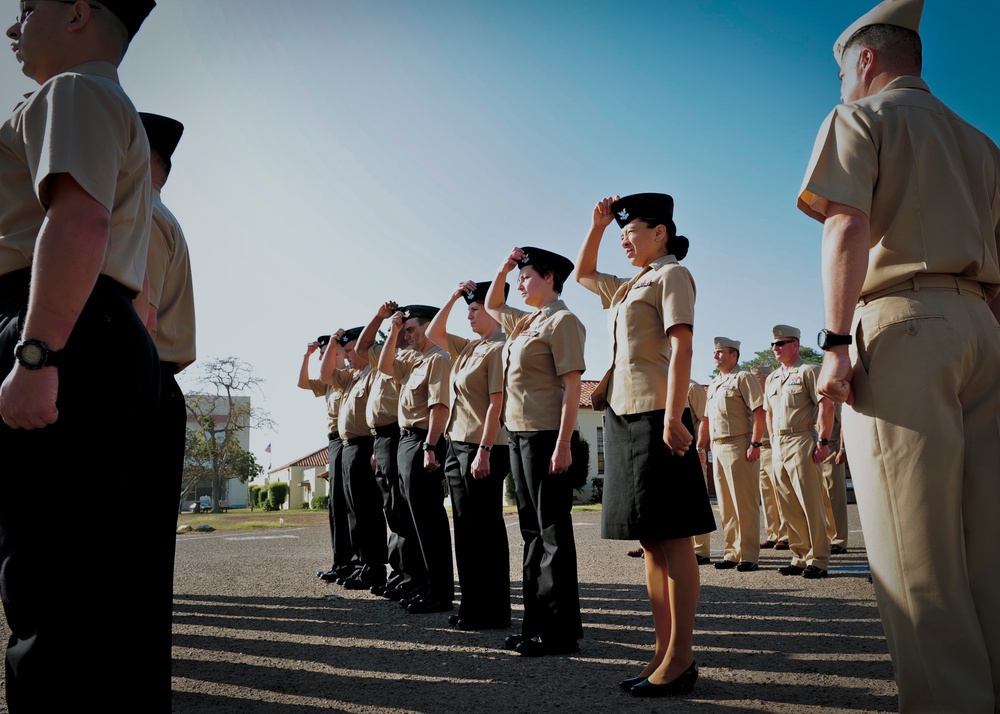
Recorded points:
(338, 154)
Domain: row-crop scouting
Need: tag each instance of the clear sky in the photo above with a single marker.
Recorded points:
(342, 153)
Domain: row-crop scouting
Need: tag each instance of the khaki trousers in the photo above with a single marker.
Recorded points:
(925, 448)
(800, 490)
(773, 522)
(835, 497)
(702, 543)
(736, 485)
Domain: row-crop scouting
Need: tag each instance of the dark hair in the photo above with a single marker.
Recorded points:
(677, 246)
(545, 271)
(160, 160)
(894, 45)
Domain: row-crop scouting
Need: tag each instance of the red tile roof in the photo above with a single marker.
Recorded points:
(320, 457)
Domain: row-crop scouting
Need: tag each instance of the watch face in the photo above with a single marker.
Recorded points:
(31, 353)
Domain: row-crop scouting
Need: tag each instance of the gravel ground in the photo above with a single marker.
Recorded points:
(256, 631)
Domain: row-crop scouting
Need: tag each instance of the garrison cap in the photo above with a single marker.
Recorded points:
(350, 335)
(779, 331)
(900, 13)
(721, 342)
(424, 312)
(323, 340)
(163, 132)
(131, 13)
(656, 207)
(479, 294)
(547, 261)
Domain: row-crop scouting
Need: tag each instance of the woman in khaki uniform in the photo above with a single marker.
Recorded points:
(543, 362)
(477, 463)
(653, 487)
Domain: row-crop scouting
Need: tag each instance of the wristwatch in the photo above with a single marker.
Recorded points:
(828, 340)
(756, 444)
(35, 354)
(823, 442)
(428, 446)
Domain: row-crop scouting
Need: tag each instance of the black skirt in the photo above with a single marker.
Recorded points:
(650, 494)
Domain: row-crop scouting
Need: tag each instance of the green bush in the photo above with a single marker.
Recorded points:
(580, 453)
(597, 484)
(276, 495)
(320, 503)
(253, 496)
(509, 489)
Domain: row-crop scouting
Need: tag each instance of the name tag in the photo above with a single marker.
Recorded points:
(530, 333)
(795, 380)
(643, 284)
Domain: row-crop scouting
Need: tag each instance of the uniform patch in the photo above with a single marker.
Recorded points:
(643, 284)
(530, 333)
(795, 380)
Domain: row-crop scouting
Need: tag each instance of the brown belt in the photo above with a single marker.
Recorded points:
(798, 430)
(727, 439)
(928, 281)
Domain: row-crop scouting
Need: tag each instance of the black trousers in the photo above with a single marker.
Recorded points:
(424, 492)
(367, 523)
(544, 502)
(481, 550)
(405, 559)
(340, 532)
(61, 650)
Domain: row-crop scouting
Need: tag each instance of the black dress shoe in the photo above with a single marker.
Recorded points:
(682, 684)
(813, 573)
(472, 624)
(378, 589)
(511, 642)
(837, 550)
(746, 567)
(781, 545)
(424, 606)
(329, 576)
(626, 684)
(453, 620)
(769, 544)
(704, 560)
(791, 570)
(361, 584)
(543, 648)
(405, 602)
(725, 565)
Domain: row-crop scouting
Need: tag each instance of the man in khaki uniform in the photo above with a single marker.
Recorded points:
(835, 489)
(775, 531)
(79, 372)
(734, 426)
(908, 195)
(799, 420)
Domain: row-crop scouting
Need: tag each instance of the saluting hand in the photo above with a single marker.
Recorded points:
(465, 287)
(386, 310)
(835, 376)
(28, 398)
(396, 322)
(515, 256)
(311, 347)
(602, 212)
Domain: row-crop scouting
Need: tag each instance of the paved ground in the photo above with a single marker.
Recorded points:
(256, 631)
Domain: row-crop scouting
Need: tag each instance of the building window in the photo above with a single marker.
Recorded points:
(600, 451)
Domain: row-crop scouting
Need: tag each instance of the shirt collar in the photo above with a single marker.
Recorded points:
(552, 308)
(907, 81)
(98, 68)
(663, 260)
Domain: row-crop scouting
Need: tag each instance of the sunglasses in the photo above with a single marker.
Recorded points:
(781, 343)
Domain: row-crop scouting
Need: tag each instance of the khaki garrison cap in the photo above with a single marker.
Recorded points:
(779, 331)
(721, 342)
(901, 13)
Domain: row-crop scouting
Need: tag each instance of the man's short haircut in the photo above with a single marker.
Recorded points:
(112, 28)
(160, 160)
(895, 46)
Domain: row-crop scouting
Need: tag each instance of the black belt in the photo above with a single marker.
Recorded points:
(359, 440)
(413, 431)
(18, 281)
(334, 436)
(387, 430)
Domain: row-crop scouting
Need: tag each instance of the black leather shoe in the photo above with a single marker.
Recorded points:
(725, 565)
(378, 589)
(472, 624)
(396, 594)
(683, 684)
(769, 544)
(424, 606)
(511, 642)
(330, 576)
(837, 550)
(626, 684)
(453, 620)
(813, 573)
(405, 602)
(746, 567)
(542, 648)
(791, 570)
(781, 545)
(359, 584)
(704, 560)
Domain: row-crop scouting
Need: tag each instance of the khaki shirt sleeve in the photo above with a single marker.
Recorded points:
(157, 262)
(810, 378)
(568, 339)
(65, 145)
(373, 354)
(769, 389)
(750, 389)
(676, 297)
(509, 317)
(342, 378)
(495, 368)
(456, 345)
(438, 380)
(698, 400)
(607, 286)
(317, 387)
(844, 164)
(403, 364)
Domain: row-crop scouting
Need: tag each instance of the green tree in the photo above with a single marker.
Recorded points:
(218, 412)
(765, 358)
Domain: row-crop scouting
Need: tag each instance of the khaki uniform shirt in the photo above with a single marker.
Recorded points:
(81, 123)
(541, 347)
(642, 309)
(927, 223)
(696, 402)
(476, 373)
(731, 400)
(332, 395)
(170, 288)
(793, 399)
(423, 380)
(356, 384)
(383, 397)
